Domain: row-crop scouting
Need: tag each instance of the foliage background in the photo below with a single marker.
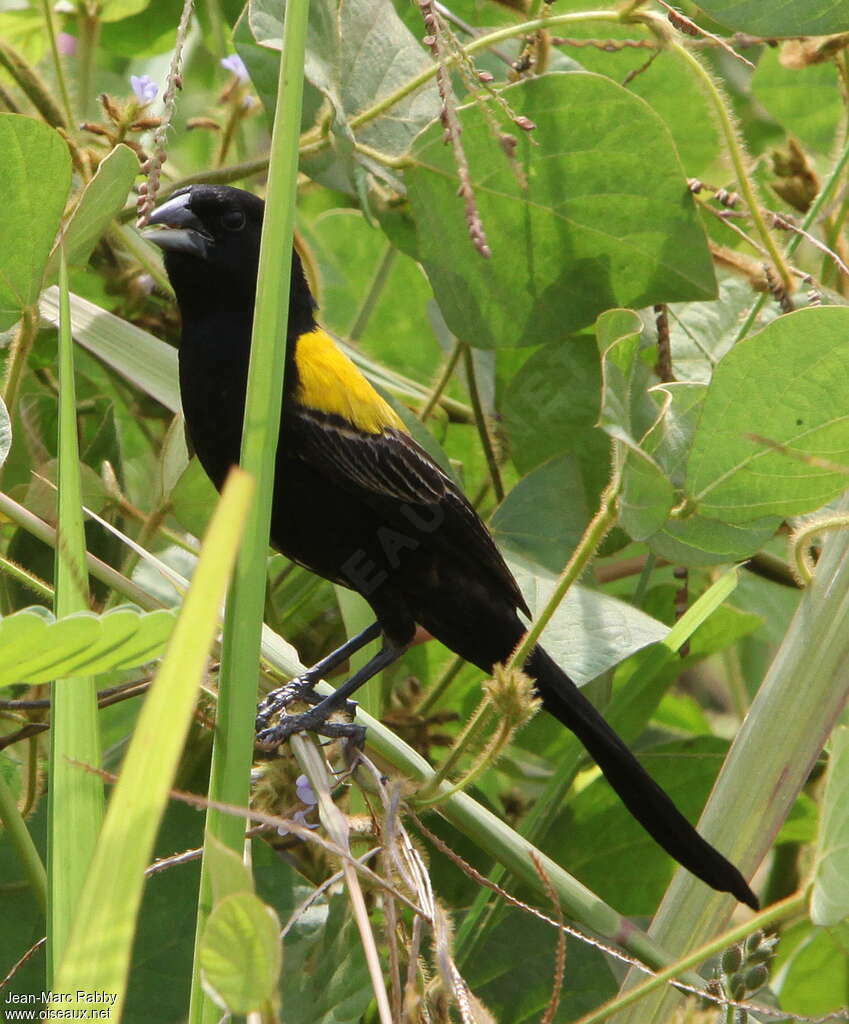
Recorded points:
(525, 373)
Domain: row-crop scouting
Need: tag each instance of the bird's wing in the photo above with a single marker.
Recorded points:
(388, 471)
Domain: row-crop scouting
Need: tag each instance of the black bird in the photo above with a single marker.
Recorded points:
(359, 502)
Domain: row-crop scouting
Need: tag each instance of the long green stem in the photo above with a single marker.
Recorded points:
(18, 833)
(480, 422)
(816, 207)
(213, 176)
(75, 798)
(36, 527)
(441, 382)
(58, 66)
(601, 524)
(31, 84)
(129, 239)
(373, 292)
(790, 907)
(318, 140)
(18, 356)
(88, 20)
(233, 749)
(738, 160)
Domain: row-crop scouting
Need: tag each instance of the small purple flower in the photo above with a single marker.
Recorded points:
(300, 818)
(236, 65)
(144, 87)
(67, 44)
(304, 792)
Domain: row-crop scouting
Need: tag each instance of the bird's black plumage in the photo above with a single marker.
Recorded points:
(357, 501)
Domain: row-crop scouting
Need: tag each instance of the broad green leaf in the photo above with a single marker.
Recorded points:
(491, 972)
(811, 971)
(36, 648)
(543, 517)
(702, 332)
(785, 386)
(97, 955)
(598, 216)
(116, 10)
(101, 200)
(668, 86)
(805, 101)
(240, 955)
(325, 980)
(357, 54)
(35, 176)
(793, 18)
(669, 439)
(800, 825)
(830, 895)
(143, 360)
(596, 836)
(628, 415)
(695, 540)
(146, 33)
(193, 498)
(228, 872)
(551, 407)
(698, 540)
(590, 631)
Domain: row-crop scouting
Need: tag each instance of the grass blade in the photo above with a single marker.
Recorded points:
(75, 799)
(97, 955)
(233, 749)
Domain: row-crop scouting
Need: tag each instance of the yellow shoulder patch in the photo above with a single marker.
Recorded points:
(329, 382)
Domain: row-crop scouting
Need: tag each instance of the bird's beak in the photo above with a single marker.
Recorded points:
(176, 228)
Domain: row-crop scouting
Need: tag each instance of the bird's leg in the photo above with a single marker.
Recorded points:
(302, 687)
(315, 720)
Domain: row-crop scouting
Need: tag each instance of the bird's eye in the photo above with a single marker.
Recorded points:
(233, 220)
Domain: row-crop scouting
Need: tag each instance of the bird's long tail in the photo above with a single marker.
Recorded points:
(648, 803)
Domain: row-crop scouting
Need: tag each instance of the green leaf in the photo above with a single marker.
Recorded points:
(702, 332)
(240, 955)
(792, 18)
(628, 415)
(145, 361)
(805, 101)
(698, 540)
(777, 387)
(595, 836)
(36, 648)
(227, 871)
(544, 516)
(193, 498)
(590, 631)
(326, 980)
(830, 896)
(603, 218)
(116, 10)
(357, 54)
(100, 201)
(813, 978)
(551, 406)
(491, 972)
(97, 954)
(35, 176)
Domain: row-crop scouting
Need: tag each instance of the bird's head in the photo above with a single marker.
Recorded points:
(210, 236)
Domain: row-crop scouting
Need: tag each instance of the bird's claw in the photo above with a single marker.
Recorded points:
(289, 725)
(315, 720)
(276, 701)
